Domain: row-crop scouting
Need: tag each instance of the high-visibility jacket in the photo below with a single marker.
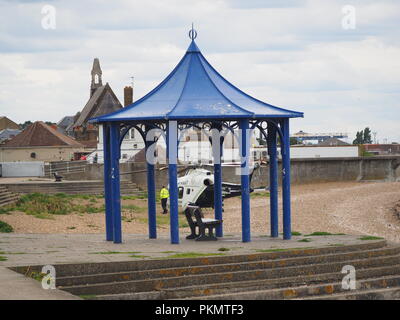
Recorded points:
(164, 193)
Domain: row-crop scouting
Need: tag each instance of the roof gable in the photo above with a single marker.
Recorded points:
(6, 123)
(103, 101)
(40, 134)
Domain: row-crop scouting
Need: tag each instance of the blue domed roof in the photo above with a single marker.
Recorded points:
(195, 90)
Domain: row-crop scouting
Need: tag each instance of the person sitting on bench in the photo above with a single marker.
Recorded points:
(57, 177)
(201, 223)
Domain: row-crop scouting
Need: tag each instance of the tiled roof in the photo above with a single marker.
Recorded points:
(40, 134)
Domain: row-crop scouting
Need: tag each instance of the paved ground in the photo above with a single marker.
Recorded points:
(34, 249)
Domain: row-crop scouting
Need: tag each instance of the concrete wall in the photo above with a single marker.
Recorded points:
(22, 169)
(302, 171)
(94, 171)
(323, 151)
(42, 153)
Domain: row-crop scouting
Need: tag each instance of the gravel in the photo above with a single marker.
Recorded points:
(340, 207)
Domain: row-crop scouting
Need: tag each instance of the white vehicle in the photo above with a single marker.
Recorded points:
(196, 187)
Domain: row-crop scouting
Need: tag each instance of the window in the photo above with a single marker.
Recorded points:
(188, 191)
(180, 194)
(135, 146)
(33, 155)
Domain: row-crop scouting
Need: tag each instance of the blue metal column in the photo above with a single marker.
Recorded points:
(151, 193)
(115, 183)
(273, 180)
(172, 154)
(244, 152)
(107, 182)
(217, 152)
(285, 150)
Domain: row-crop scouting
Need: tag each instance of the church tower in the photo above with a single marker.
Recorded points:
(96, 76)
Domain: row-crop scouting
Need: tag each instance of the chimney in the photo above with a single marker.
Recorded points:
(128, 95)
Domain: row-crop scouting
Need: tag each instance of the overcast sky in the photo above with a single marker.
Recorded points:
(293, 54)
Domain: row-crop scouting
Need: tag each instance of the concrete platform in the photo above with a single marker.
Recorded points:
(61, 249)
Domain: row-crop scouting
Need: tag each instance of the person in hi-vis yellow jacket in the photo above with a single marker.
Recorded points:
(164, 195)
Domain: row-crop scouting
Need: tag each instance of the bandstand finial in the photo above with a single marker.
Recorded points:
(192, 33)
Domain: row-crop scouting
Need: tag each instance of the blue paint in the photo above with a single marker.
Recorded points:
(217, 143)
(172, 153)
(273, 180)
(245, 180)
(218, 197)
(107, 183)
(151, 198)
(115, 182)
(285, 147)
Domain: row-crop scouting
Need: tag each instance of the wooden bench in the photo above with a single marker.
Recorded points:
(201, 224)
(57, 177)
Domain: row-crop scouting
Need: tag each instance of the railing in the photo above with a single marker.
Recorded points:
(63, 167)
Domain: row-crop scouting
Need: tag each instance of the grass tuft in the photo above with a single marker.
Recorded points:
(370, 238)
(138, 256)
(5, 227)
(323, 233)
(304, 240)
(193, 255)
(116, 252)
(44, 205)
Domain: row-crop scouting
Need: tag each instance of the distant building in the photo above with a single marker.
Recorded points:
(302, 136)
(66, 124)
(132, 142)
(102, 101)
(6, 123)
(7, 134)
(382, 149)
(40, 142)
(333, 142)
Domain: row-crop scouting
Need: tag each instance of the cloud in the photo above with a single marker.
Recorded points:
(293, 54)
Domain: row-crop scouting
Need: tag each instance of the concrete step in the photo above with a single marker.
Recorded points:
(71, 187)
(201, 279)
(293, 274)
(309, 291)
(223, 268)
(7, 194)
(64, 270)
(243, 286)
(372, 294)
(7, 197)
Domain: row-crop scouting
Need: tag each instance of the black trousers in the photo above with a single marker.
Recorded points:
(164, 204)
